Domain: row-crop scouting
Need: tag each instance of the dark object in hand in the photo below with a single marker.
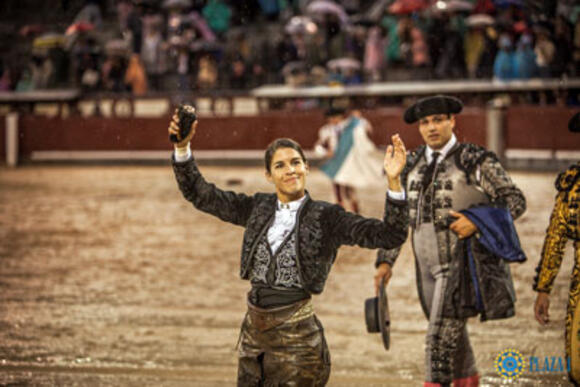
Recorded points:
(186, 115)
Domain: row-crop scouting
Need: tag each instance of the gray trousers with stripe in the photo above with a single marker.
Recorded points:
(448, 353)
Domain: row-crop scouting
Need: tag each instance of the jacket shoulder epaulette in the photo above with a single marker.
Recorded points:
(469, 156)
(567, 179)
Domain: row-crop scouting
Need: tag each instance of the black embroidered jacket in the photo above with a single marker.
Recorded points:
(469, 176)
(321, 227)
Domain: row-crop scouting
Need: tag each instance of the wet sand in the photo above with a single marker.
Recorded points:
(109, 277)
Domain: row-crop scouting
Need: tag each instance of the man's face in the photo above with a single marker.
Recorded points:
(288, 173)
(437, 129)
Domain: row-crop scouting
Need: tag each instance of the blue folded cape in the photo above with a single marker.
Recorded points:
(496, 232)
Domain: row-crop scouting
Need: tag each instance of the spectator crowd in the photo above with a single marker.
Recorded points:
(145, 46)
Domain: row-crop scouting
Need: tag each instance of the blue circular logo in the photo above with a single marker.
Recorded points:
(510, 364)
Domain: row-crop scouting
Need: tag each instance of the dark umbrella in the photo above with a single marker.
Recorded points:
(508, 3)
(362, 20)
(31, 29)
(200, 46)
(377, 10)
(201, 25)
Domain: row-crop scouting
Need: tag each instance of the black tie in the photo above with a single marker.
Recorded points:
(429, 171)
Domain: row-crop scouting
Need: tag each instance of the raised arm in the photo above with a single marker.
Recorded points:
(352, 229)
(227, 205)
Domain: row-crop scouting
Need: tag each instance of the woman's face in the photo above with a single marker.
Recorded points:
(288, 173)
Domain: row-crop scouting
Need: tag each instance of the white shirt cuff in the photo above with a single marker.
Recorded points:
(396, 195)
(182, 154)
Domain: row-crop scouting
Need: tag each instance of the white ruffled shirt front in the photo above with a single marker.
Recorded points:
(284, 222)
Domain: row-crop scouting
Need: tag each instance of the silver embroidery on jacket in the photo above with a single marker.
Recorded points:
(286, 270)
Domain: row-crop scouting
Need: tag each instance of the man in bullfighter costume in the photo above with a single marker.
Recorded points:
(564, 225)
(442, 178)
(289, 246)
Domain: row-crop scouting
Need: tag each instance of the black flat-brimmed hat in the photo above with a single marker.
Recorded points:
(335, 111)
(438, 104)
(377, 316)
(574, 123)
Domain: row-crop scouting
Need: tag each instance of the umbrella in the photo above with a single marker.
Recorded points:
(79, 27)
(201, 26)
(453, 6)
(343, 63)
(318, 7)
(363, 20)
(403, 7)
(50, 40)
(508, 3)
(31, 29)
(377, 10)
(205, 46)
(483, 6)
(301, 24)
(293, 68)
(179, 4)
(178, 41)
(520, 27)
(479, 20)
(116, 47)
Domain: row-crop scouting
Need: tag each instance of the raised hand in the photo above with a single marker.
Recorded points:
(394, 162)
(174, 129)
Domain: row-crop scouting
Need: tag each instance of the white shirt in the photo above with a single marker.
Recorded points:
(284, 222)
(182, 154)
(442, 152)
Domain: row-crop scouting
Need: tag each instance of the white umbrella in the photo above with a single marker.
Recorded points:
(343, 63)
(318, 7)
(295, 67)
(301, 24)
(116, 47)
(177, 4)
(453, 6)
(479, 20)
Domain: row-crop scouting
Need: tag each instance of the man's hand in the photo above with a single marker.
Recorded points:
(541, 308)
(463, 227)
(174, 129)
(394, 162)
(383, 271)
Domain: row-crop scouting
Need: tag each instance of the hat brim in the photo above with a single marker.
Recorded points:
(439, 104)
(377, 316)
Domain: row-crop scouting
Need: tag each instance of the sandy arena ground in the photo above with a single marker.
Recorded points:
(109, 277)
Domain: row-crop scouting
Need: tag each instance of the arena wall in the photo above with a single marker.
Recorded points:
(526, 127)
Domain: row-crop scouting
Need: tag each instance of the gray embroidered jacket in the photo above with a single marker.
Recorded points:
(321, 227)
(469, 176)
